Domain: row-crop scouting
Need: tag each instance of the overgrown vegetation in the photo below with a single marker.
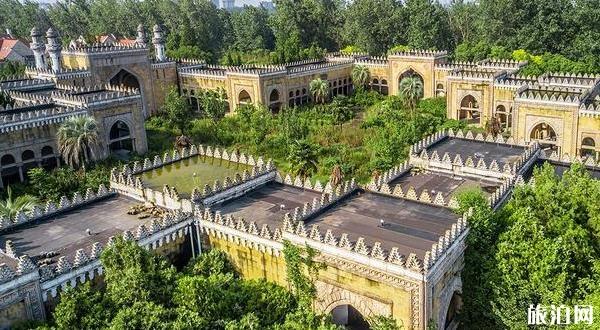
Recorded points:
(541, 248)
(360, 134)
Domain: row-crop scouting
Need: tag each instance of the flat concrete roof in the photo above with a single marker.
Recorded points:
(410, 226)
(447, 184)
(502, 153)
(263, 205)
(65, 233)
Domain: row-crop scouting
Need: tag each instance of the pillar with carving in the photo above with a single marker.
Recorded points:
(38, 48)
(159, 43)
(54, 48)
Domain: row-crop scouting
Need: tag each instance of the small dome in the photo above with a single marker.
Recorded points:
(156, 28)
(35, 32)
(140, 28)
(51, 33)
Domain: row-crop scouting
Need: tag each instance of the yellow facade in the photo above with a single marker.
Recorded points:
(336, 286)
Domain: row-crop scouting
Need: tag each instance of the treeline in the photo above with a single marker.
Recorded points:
(566, 29)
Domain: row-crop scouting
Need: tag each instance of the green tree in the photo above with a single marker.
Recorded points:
(319, 89)
(303, 157)
(11, 206)
(214, 104)
(84, 307)
(141, 315)
(360, 76)
(177, 111)
(211, 262)
(428, 26)
(384, 323)
(133, 274)
(375, 25)
(411, 91)
(251, 29)
(78, 140)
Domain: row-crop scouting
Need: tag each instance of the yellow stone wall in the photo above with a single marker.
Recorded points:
(588, 127)
(481, 91)
(425, 67)
(440, 79)
(562, 119)
(75, 61)
(254, 264)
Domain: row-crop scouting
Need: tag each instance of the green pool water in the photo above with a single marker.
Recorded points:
(192, 172)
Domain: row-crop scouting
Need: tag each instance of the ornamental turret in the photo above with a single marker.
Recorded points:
(54, 48)
(159, 43)
(38, 48)
(141, 36)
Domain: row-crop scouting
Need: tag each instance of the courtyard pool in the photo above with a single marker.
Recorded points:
(192, 172)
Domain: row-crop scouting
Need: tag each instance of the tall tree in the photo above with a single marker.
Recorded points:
(411, 91)
(78, 141)
(428, 26)
(319, 89)
(303, 157)
(251, 30)
(360, 76)
(177, 111)
(375, 25)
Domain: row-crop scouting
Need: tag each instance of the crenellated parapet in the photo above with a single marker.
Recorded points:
(36, 118)
(451, 239)
(379, 61)
(85, 264)
(21, 83)
(62, 74)
(51, 208)
(128, 182)
(330, 195)
(480, 74)
(428, 141)
(389, 175)
(501, 64)
(454, 65)
(92, 97)
(473, 166)
(589, 161)
(100, 49)
(420, 53)
(553, 94)
(410, 193)
(570, 79)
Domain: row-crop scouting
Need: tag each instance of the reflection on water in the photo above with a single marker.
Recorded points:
(192, 172)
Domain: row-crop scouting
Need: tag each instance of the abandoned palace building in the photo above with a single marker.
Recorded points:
(391, 247)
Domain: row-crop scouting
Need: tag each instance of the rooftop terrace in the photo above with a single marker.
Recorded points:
(268, 204)
(410, 226)
(447, 184)
(488, 151)
(65, 233)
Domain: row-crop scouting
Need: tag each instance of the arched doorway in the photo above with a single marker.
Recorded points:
(469, 110)
(588, 147)
(439, 90)
(453, 310)
(349, 317)
(9, 170)
(410, 73)
(545, 135)
(274, 103)
(48, 158)
(120, 141)
(29, 161)
(384, 86)
(126, 79)
(244, 98)
(504, 117)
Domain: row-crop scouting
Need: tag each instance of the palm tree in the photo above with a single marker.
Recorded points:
(303, 158)
(360, 76)
(10, 207)
(319, 89)
(411, 91)
(78, 140)
(6, 100)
